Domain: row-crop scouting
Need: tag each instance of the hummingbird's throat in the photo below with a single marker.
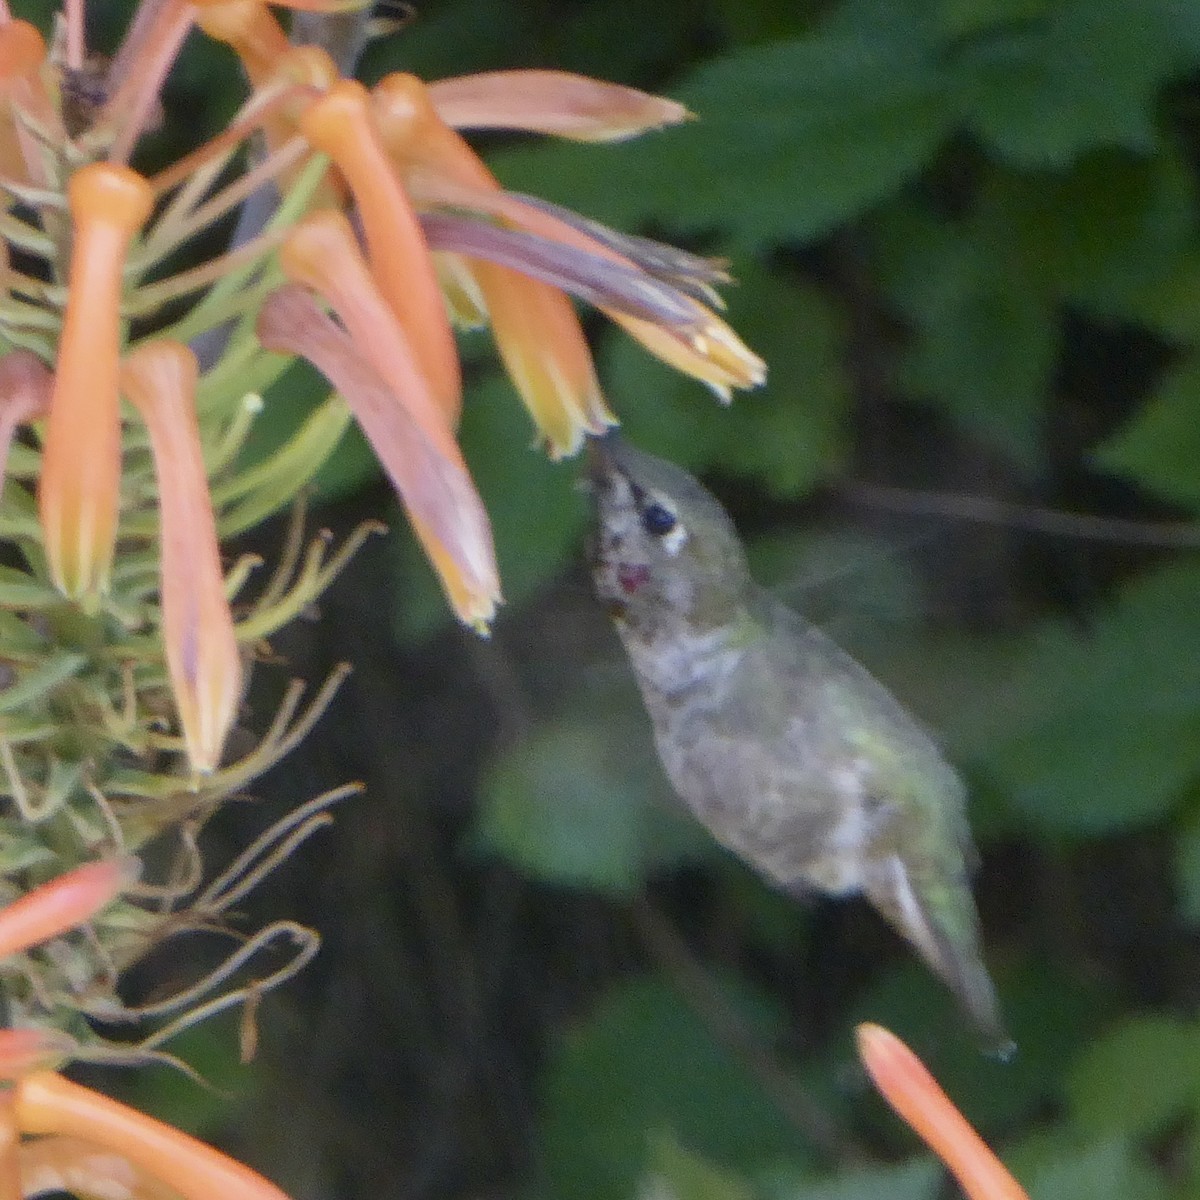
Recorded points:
(632, 577)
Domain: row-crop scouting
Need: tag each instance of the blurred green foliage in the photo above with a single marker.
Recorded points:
(967, 240)
(936, 212)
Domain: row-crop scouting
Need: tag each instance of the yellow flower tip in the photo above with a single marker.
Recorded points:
(46, 1103)
(24, 1051)
(717, 344)
(552, 102)
(200, 643)
(63, 903)
(546, 356)
(906, 1084)
(473, 592)
(709, 351)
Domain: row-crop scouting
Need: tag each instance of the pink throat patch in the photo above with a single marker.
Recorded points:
(632, 577)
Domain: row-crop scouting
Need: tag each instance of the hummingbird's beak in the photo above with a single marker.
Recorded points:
(602, 455)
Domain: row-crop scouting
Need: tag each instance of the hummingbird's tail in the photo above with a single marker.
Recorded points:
(940, 922)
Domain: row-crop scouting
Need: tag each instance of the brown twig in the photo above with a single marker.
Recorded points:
(987, 510)
(801, 1108)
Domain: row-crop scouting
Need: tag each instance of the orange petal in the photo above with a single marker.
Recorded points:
(912, 1091)
(159, 378)
(318, 6)
(546, 356)
(23, 1051)
(554, 102)
(249, 28)
(10, 1168)
(61, 904)
(340, 124)
(414, 134)
(535, 327)
(322, 253)
(25, 386)
(435, 487)
(69, 1164)
(79, 489)
(160, 30)
(22, 52)
(47, 1103)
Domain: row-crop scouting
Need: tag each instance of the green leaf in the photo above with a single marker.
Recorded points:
(985, 333)
(918, 1179)
(1138, 1078)
(1111, 232)
(641, 1066)
(1098, 730)
(790, 434)
(1043, 93)
(793, 139)
(583, 800)
(1167, 303)
(1159, 449)
(678, 1173)
(1186, 864)
(287, 404)
(1103, 1170)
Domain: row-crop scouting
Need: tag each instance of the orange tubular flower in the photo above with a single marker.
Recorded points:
(553, 102)
(436, 490)
(251, 30)
(47, 1103)
(321, 253)
(79, 489)
(25, 386)
(912, 1091)
(23, 1051)
(535, 326)
(10, 1166)
(22, 52)
(67, 1164)
(61, 904)
(442, 172)
(159, 378)
(340, 125)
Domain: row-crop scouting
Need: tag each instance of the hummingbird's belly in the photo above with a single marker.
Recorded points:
(781, 817)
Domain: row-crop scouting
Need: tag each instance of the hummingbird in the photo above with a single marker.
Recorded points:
(788, 750)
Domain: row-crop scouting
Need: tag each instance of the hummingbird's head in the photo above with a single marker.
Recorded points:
(664, 554)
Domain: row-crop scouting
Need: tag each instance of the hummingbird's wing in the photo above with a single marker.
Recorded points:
(901, 798)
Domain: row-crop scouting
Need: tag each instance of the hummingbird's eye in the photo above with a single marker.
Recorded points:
(658, 520)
